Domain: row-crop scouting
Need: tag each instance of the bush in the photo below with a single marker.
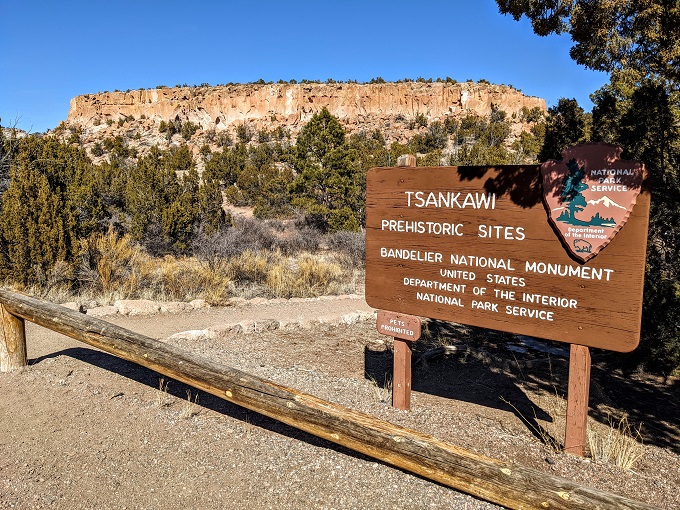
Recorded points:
(350, 244)
(188, 129)
(247, 234)
(418, 121)
(306, 239)
(244, 133)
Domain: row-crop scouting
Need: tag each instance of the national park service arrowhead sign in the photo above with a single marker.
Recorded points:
(589, 196)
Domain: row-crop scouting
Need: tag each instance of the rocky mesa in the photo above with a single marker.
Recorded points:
(390, 107)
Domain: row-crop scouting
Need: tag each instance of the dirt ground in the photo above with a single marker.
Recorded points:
(80, 428)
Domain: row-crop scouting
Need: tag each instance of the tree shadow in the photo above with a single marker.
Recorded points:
(491, 370)
(521, 183)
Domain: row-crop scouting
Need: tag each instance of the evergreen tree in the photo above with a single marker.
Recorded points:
(49, 204)
(329, 186)
(566, 126)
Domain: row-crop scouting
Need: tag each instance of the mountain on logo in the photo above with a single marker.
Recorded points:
(605, 201)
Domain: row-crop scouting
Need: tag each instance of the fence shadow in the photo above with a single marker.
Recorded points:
(208, 401)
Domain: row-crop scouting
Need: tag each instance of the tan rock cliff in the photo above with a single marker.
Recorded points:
(387, 106)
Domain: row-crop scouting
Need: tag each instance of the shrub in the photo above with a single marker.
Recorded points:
(244, 133)
(97, 150)
(350, 244)
(247, 234)
(306, 239)
(188, 129)
(263, 135)
(224, 139)
(418, 121)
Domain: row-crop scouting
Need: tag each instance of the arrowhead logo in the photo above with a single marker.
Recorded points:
(589, 196)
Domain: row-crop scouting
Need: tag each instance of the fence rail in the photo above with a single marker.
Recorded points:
(499, 482)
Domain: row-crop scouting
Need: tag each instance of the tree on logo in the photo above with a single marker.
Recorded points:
(572, 192)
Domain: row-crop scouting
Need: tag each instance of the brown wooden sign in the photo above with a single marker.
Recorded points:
(398, 325)
(474, 245)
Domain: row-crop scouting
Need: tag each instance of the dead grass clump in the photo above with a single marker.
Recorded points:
(308, 276)
(281, 278)
(109, 261)
(250, 267)
(185, 279)
(190, 407)
(315, 277)
(617, 443)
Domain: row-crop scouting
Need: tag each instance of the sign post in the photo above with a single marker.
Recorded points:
(577, 400)
(405, 329)
(554, 251)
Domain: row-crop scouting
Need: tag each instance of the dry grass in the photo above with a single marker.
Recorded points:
(382, 392)
(162, 398)
(113, 267)
(190, 407)
(617, 443)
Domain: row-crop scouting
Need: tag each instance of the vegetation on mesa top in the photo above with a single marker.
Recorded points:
(330, 81)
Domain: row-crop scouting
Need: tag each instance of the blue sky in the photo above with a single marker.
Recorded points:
(55, 50)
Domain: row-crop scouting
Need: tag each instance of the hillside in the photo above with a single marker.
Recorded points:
(216, 115)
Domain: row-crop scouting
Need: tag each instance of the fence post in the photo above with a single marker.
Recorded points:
(401, 375)
(12, 341)
(406, 160)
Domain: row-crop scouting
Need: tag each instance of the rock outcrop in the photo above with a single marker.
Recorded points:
(389, 107)
(294, 104)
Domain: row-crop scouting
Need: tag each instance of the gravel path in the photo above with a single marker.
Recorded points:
(82, 429)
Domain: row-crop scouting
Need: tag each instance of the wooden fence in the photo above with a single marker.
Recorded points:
(502, 483)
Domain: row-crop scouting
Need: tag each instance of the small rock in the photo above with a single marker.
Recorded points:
(175, 307)
(246, 327)
(289, 324)
(350, 318)
(102, 311)
(278, 301)
(222, 330)
(328, 319)
(259, 301)
(194, 334)
(199, 303)
(137, 307)
(265, 325)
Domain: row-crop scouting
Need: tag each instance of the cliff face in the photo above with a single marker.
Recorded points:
(295, 104)
(388, 107)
